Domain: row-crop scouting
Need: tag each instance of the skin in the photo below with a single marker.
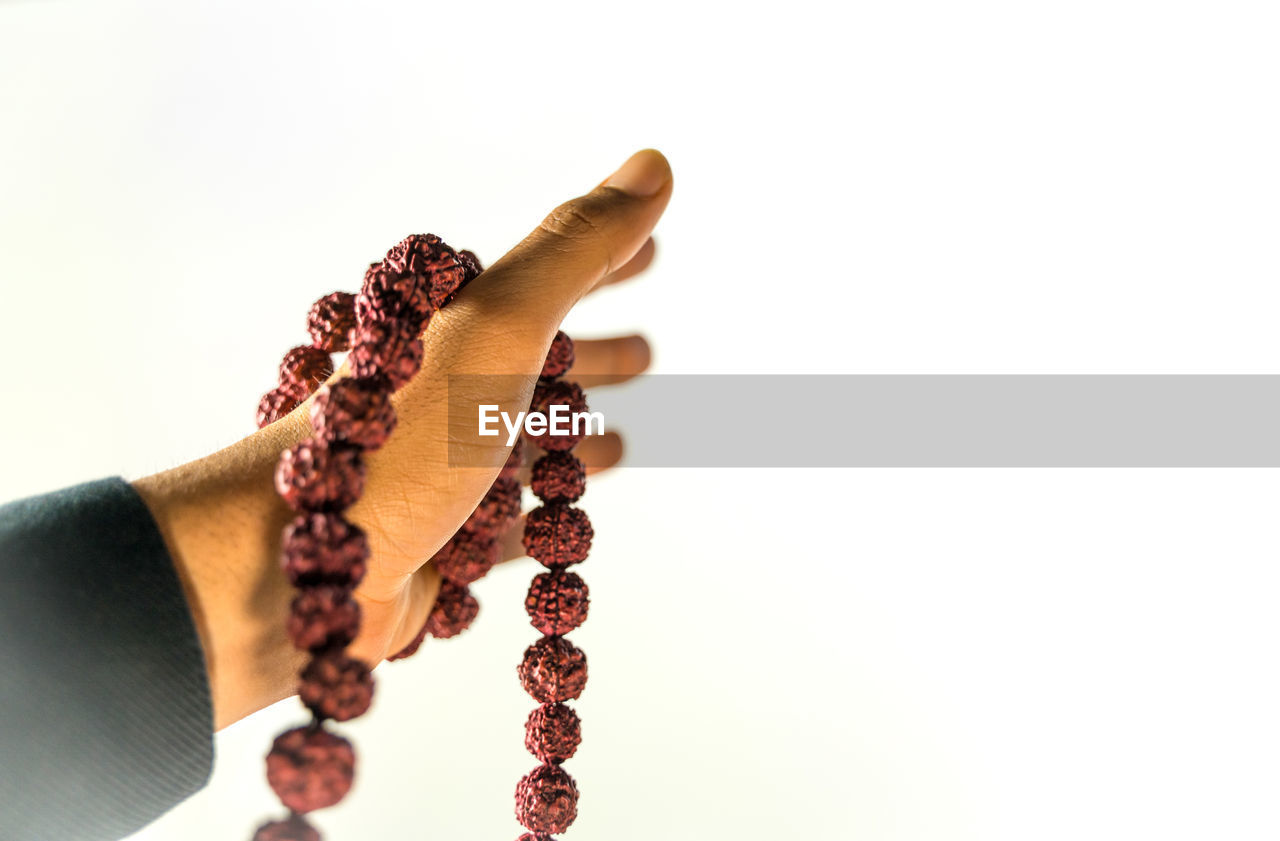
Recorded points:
(222, 519)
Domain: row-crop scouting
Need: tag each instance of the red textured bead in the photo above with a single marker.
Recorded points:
(557, 602)
(280, 401)
(310, 768)
(535, 836)
(467, 556)
(549, 393)
(559, 356)
(552, 733)
(323, 617)
(515, 460)
(428, 257)
(323, 548)
(389, 348)
(471, 266)
(546, 799)
(336, 686)
(331, 320)
(454, 611)
(558, 477)
(389, 295)
(557, 535)
(293, 828)
(354, 411)
(499, 509)
(313, 476)
(553, 669)
(414, 644)
(306, 364)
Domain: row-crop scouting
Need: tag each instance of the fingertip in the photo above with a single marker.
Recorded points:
(600, 452)
(576, 246)
(638, 352)
(636, 265)
(644, 257)
(610, 361)
(642, 175)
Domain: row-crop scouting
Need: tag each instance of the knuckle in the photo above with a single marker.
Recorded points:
(572, 220)
(579, 224)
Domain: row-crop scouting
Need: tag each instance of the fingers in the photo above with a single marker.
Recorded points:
(487, 347)
(577, 246)
(609, 361)
(599, 452)
(633, 267)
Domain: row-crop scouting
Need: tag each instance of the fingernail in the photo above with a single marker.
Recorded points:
(643, 175)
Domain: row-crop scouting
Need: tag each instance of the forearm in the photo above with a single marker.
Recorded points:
(222, 521)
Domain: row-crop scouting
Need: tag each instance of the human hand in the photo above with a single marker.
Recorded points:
(222, 519)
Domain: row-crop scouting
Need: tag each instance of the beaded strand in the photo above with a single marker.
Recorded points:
(553, 670)
(324, 555)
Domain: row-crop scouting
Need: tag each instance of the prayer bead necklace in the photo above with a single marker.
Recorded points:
(325, 556)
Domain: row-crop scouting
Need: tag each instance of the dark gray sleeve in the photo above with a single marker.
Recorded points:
(105, 715)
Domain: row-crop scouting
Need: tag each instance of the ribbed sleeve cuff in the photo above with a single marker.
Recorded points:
(106, 719)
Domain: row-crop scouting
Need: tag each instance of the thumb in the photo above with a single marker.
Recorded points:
(576, 245)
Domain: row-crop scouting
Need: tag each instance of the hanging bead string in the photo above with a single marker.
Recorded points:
(554, 670)
(324, 555)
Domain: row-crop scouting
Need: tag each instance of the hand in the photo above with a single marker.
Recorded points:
(222, 519)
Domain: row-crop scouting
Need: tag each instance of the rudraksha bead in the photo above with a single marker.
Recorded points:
(471, 266)
(323, 617)
(428, 257)
(548, 393)
(331, 320)
(557, 602)
(354, 411)
(558, 477)
(336, 686)
(499, 508)
(310, 768)
(553, 669)
(535, 836)
(314, 477)
(557, 535)
(280, 401)
(377, 299)
(515, 460)
(552, 733)
(307, 365)
(454, 611)
(546, 799)
(467, 557)
(391, 348)
(324, 548)
(559, 356)
(389, 295)
(292, 828)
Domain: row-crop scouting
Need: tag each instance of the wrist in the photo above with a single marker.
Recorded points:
(221, 521)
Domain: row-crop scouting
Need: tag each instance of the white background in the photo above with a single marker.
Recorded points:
(922, 187)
